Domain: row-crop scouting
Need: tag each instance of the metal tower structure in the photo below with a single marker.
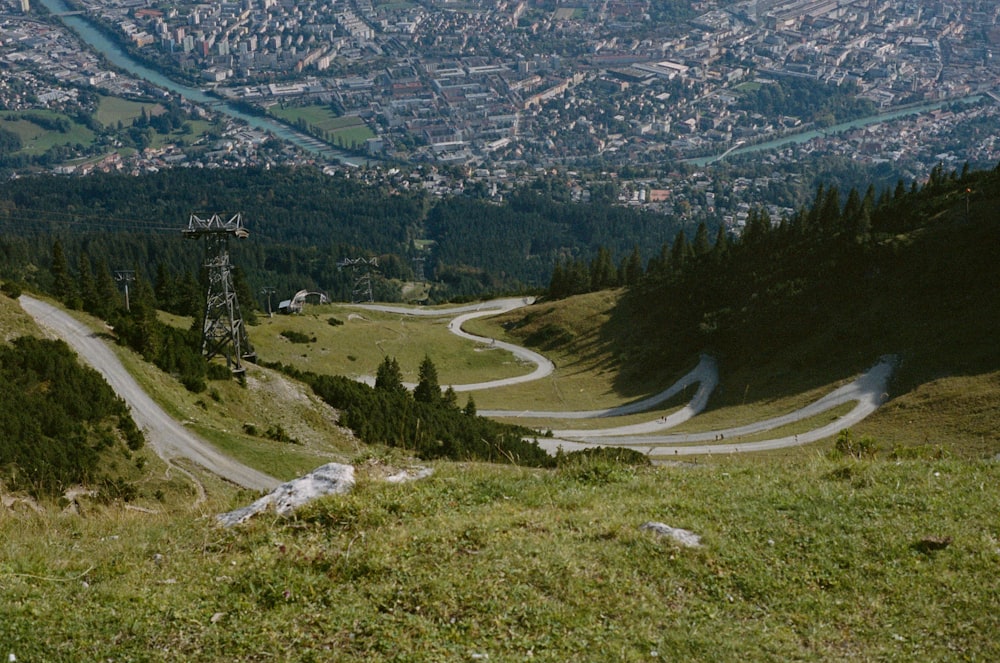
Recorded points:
(223, 331)
(362, 268)
(125, 276)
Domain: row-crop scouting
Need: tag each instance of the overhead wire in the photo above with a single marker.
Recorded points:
(24, 218)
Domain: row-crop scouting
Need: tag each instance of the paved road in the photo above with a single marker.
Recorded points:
(543, 366)
(706, 374)
(868, 391)
(166, 436)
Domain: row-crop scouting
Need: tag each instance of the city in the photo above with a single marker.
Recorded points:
(492, 90)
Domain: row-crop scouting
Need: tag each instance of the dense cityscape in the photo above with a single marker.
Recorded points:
(651, 91)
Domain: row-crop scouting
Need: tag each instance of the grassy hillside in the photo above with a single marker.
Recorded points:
(810, 556)
(815, 559)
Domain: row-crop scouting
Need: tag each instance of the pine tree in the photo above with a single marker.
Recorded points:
(721, 246)
(632, 271)
(680, 251)
(701, 244)
(388, 376)
(88, 287)
(602, 271)
(428, 389)
(63, 286)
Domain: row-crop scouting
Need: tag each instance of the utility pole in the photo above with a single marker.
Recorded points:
(267, 291)
(125, 276)
(223, 331)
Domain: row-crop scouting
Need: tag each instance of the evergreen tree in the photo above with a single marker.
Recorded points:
(632, 271)
(63, 287)
(701, 245)
(721, 246)
(88, 286)
(680, 251)
(602, 271)
(428, 389)
(758, 228)
(450, 398)
(389, 377)
(108, 297)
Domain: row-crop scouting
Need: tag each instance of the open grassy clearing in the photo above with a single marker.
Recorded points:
(346, 131)
(544, 424)
(112, 110)
(36, 139)
(14, 322)
(352, 137)
(356, 347)
(819, 559)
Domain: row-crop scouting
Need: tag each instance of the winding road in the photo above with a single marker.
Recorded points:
(168, 437)
(868, 391)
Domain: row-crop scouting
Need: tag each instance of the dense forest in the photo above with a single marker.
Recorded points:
(866, 277)
(303, 223)
(821, 103)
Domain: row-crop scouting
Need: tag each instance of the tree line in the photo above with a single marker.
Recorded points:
(304, 223)
(861, 270)
(427, 422)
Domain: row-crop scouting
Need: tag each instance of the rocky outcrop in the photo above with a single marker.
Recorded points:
(329, 479)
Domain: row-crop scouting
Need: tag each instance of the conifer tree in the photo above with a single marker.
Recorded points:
(632, 268)
(88, 286)
(63, 286)
(701, 245)
(428, 389)
(388, 376)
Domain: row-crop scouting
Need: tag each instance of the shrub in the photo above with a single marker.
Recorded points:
(297, 337)
(846, 445)
(12, 289)
(278, 434)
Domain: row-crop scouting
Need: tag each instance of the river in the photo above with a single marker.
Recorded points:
(806, 136)
(114, 53)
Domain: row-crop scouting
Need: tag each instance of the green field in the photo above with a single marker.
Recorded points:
(36, 139)
(113, 110)
(345, 131)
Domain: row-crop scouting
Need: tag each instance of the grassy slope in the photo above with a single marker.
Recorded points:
(814, 560)
(356, 347)
(809, 558)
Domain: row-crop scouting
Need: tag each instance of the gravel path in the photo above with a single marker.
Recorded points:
(167, 437)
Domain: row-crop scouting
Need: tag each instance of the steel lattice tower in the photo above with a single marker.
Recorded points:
(362, 268)
(223, 331)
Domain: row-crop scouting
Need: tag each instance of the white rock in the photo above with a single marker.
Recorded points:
(410, 475)
(329, 479)
(684, 537)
